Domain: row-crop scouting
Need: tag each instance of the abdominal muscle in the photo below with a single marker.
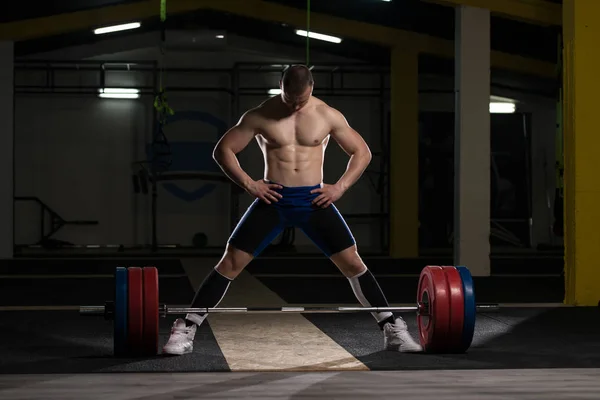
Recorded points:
(294, 165)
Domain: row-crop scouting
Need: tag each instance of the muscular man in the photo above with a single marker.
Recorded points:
(292, 131)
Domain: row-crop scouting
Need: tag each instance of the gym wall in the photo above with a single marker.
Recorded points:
(541, 114)
(75, 152)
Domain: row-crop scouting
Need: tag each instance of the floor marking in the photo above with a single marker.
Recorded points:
(258, 342)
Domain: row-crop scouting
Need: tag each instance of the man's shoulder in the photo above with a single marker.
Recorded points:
(326, 110)
(257, 112)
(262, 109)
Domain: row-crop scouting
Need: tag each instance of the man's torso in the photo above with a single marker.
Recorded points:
(293, 143)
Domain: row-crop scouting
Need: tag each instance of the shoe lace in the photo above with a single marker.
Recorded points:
(397, 329)
(185, 330)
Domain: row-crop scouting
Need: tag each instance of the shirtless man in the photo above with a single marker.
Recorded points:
(292, 131)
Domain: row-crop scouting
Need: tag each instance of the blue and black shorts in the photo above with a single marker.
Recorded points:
(262, 222)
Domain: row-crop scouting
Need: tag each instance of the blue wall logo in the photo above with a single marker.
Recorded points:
(188, 156)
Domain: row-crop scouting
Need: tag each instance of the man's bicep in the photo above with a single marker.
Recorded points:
(239, 136)
(348, 139)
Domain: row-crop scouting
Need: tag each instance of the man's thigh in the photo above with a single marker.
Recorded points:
(260, 224)
(328, 230)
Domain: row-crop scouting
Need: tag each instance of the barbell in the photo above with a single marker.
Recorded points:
(164, 310)
(445, 310)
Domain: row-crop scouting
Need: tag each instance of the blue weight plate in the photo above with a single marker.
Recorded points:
(121, 306)
(470, 307)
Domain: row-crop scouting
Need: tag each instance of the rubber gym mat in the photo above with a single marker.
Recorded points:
(63, 342)
(55, 342)
(563, 337)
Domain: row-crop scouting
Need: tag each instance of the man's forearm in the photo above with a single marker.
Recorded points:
(356, 166)
(230, 165)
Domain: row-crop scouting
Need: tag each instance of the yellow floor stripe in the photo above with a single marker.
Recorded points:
(258, 342)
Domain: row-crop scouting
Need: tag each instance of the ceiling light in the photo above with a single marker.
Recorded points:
(502, 108)
(274, 92)
(116, 28)
(119, 93)
(119, 90)
(318, 36)
(220, 36)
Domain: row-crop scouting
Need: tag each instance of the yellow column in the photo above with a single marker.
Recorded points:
(404, 153)
(581, 85)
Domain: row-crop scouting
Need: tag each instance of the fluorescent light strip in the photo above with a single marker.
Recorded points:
(119, 90)
(318, 36)
(274, 92)
(119, 95)
(117, 28)
(502, 108)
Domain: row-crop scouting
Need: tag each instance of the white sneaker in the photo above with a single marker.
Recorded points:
(397, 338)
(181, 340)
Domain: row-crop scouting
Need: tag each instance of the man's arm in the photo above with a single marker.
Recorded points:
(234, 141)
(353, 144)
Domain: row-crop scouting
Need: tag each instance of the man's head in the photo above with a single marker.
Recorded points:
(296, 86)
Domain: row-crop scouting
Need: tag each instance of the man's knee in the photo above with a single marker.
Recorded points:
(349, 262)
(233, 262)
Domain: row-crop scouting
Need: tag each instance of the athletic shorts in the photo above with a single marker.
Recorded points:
(262, 222)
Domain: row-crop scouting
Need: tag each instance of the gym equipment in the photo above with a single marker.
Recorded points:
(470, 308)
(441, 329)
(457, 306)
(200, 240)
(150, 332)
(120, 312)
(445, 310)
(135, 310)
(57, 222)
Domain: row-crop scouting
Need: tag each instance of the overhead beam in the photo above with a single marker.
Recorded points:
(498, 59)
(539, 12)
(323, 23)
(377, 34)
(266, 11)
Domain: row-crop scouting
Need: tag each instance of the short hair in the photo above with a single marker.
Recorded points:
(297, 78)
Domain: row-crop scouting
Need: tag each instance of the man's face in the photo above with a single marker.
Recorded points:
(296, 101)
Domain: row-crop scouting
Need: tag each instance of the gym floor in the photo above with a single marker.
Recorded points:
(526, 350)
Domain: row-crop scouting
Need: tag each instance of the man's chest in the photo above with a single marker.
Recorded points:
(305, 130)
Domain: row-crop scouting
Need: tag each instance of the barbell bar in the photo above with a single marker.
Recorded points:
(165, 310)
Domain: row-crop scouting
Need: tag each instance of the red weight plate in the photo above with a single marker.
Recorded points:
(136, 311)
(433, 329)
(457, 308)
(150, 341)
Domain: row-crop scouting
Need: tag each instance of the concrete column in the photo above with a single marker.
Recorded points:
(6, 148)
(472, 140)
